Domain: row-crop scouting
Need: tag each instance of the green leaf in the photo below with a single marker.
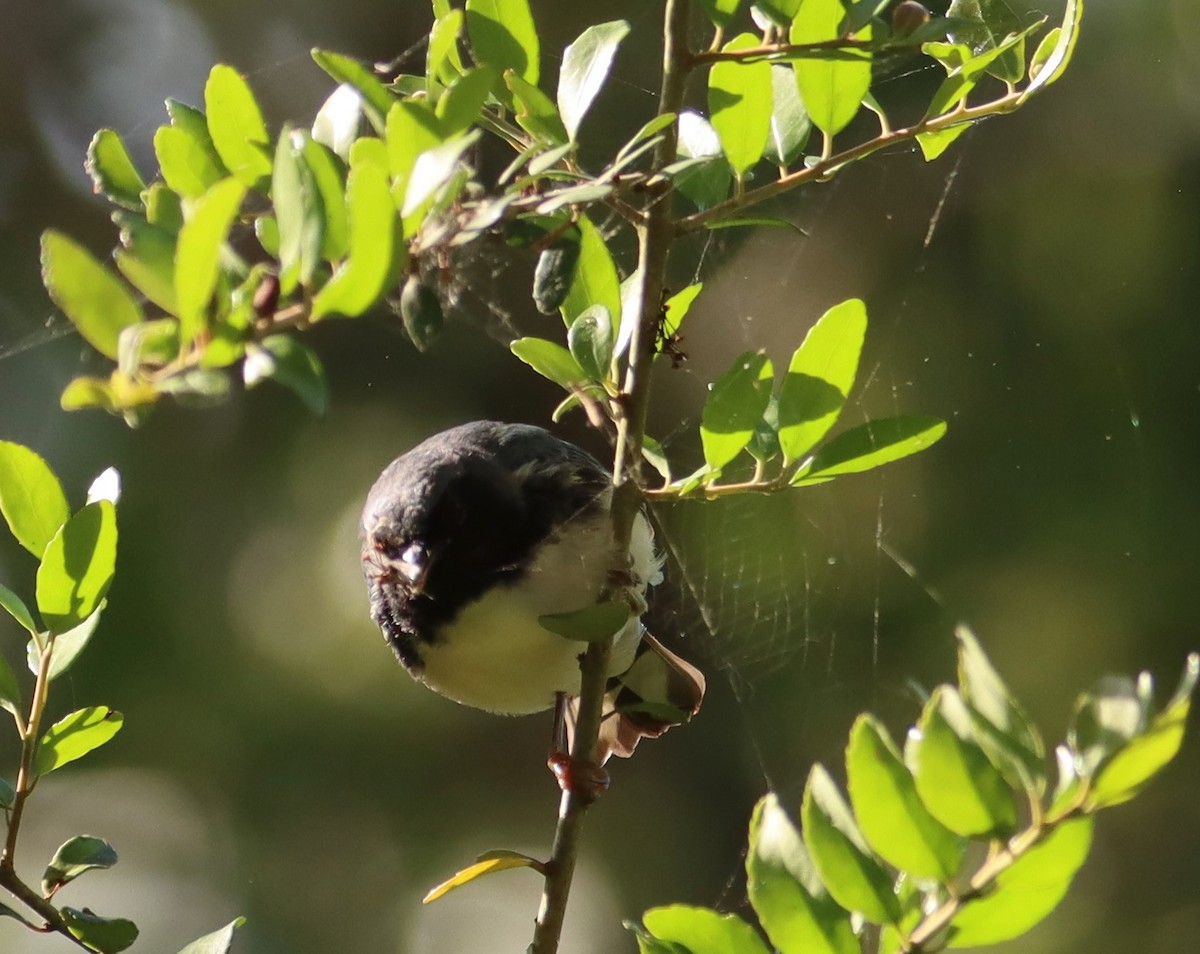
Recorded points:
(486, 864)
(198, 258)
(550, 360)
(1026, 892)
(933, 144)
(16, 608)
(188, 161)
(442, 59)
(585, 66)
(97, 302)
(338, 121)
(503, 36)
(67, 646)
(150, 344)
(780, 11)
(956, 781)
(592, 624)
(1054, 52)
(1135, 765)
(74, 736)
(299, 211)
(112, 170)
(163, 207)
(734, 407)
(77, 567)
(739, 105)
(820, 377)
(786, 892)
(461, 104)
(1107, 717)
(703, 931)
(375, 255)
(869, 446)
(590, 340)
(721, 12)
(433, 170)
(421, 312)
(555, 271)
(106, 935)
(346, 69)
(236, 126)
(894, 821)
(849, 871)
(596, 281)
(1007, 726)
(677, 308)
(832, 88)
(790, 125)
(74, 857)
(536, 112)
(32, 501)
(218, 942)
(294, 365)
(7, 797)
(412, 128)
(705, 183)
(329, 178)
(147, 259)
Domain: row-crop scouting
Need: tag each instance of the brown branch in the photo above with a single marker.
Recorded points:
(655, 236)
(774, 52)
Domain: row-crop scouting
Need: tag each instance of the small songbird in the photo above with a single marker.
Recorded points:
(478, 532)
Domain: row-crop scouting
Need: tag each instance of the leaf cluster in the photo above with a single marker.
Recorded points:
(76, 554)
(954, 841)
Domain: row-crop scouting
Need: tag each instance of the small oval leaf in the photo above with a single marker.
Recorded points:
(74, 857)
(486, 864)
(31, 499)
(78, 567)
(75, 736)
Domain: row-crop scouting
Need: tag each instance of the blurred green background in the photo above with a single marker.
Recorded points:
(1036, 286)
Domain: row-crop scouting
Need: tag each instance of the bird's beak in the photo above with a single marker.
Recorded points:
(414, 566)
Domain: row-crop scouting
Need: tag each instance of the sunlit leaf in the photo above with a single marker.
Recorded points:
(590, 624)
(346, 69)
(1055, 51)
(147, 259)
(1026, 892)
(585, 66)
(677, 308)
(849, 871)
(486, 864)
(78, 855)
(705, 177)
(590, 340)
(1107, 717)
(164, 208)
(1135, 765)
(373, 263)
(780, 11)
(77, 567)
(442, 58)
(832, 88)
(596, 281)
(198, 258)
(739, 105)
(934, 143)
(956, 781)
(329, 179)
(734, 407)
(536, 112)
(299, 212)
(820, 377)
(460, 105)
(75, 736)
(503, 36)
(1006, 725)
(218, 942)
(67, 646)
(869, 446)
(31, 499)
(283, 359)
(412, 128)
(433, 169)
(790, 125)
(786, 892)
(112, 170)
(339, 119)
(16, 608)
(894, 821)
(187, 158)
(550, 360)
(236, 125)
(703, 931)
(97, 302)
(721, 12)
(105, 935)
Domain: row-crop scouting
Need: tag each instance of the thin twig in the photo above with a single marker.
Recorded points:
(776, 52)
(655, 236)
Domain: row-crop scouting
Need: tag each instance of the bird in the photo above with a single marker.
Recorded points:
(474, 536)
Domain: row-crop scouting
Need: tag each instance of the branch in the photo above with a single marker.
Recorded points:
(654, 242)
(826, 167)
(773, 52)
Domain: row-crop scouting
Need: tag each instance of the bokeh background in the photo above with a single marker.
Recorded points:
(1036, 286)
